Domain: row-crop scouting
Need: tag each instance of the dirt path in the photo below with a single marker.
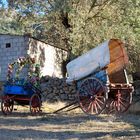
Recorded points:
(72, 126)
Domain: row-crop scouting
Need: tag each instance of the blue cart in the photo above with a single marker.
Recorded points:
(23, 93)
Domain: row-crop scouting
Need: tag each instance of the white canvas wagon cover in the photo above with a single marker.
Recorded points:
(110, 54)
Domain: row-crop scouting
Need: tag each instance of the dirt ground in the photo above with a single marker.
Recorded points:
(74, 125)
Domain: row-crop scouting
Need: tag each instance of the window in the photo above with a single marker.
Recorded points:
(8, 45)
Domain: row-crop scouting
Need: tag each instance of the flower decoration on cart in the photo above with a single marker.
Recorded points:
(33, 75)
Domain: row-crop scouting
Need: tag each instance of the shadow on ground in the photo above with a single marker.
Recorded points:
(62, 135)
(29, 126)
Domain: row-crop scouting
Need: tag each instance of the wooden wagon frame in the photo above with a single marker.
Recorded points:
(107, 88)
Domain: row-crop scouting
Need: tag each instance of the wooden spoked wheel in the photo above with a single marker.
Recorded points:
(92, 96)
(119, 101)
(35, 104)
(7, 105)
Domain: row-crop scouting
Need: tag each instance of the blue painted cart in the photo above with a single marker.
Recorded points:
(22, 93)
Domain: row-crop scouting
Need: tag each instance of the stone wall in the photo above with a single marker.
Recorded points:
(56, 89)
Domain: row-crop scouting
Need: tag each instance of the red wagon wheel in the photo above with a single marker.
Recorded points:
(35, 104)
(119, 101)
(92, 96)
(7, 105)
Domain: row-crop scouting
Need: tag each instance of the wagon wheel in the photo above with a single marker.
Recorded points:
(119, 101)
(92, 96)
(35, 104)
(7, 105)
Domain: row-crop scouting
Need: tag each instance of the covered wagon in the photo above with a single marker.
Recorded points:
(101, 78)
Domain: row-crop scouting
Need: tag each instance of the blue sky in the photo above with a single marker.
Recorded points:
(3, 3)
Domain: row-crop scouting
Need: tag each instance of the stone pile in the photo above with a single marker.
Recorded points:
(56, 89)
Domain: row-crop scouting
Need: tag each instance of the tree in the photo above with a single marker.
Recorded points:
(75, 25)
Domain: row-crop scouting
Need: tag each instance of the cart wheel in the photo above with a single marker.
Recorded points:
(119, 102)
(35, 104)
(7, 105)
(92, 96)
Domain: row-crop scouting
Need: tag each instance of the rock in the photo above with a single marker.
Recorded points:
(56, 88)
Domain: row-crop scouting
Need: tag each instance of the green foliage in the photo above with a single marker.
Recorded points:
(76, 25)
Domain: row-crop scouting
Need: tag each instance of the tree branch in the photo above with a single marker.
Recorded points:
(50, 3)
(92, 6)
(99, 10)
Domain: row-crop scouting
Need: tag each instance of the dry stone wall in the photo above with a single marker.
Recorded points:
(56, 89)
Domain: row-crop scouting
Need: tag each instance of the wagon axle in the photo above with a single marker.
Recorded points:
(34, 103)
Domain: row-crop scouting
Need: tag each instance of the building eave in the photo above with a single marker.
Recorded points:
(29, 36)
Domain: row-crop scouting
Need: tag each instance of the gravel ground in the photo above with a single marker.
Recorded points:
(70, 126)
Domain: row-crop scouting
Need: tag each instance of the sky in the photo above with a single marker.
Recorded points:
(3, 3)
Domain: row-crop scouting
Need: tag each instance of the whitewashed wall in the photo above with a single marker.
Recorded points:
(8, 55)
(50, 58)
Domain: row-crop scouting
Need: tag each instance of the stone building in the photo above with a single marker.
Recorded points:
(49, 57)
